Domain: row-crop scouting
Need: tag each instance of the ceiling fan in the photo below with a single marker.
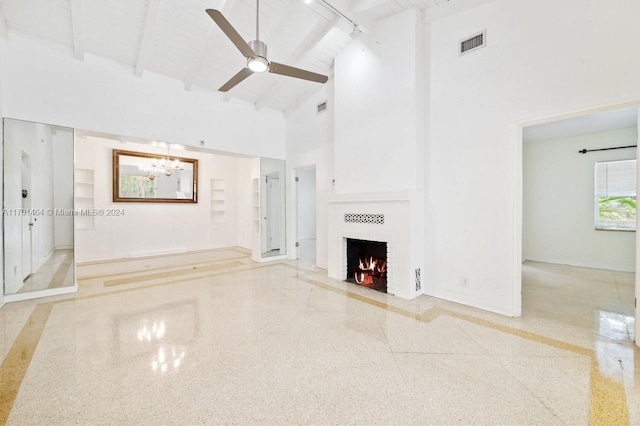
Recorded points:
(256, 53)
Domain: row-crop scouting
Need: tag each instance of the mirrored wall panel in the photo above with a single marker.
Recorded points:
(272, 190)
(37, 207)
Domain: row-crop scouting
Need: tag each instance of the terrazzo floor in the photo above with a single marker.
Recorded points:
(214, 338)
(57, 271)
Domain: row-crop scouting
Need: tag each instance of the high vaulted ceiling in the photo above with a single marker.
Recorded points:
(176, 38)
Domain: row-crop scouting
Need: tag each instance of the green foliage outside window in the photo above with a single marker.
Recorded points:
(617, 212)
(137, 187)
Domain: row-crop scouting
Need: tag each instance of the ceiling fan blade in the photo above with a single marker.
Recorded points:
(241, 75)
(281, 69)
(231, 32)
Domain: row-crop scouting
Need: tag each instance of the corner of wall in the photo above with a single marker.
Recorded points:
(2, 177)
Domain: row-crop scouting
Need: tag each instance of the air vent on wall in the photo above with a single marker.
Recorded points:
(322, 107)
(473, 43)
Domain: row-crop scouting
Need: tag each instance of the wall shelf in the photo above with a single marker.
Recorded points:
(217, 201)
(83, 191)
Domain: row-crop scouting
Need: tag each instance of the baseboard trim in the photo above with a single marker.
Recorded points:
(153, 256)
(621, 268)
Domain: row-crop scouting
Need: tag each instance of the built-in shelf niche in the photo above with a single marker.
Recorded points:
(84, 205)
(217, 201)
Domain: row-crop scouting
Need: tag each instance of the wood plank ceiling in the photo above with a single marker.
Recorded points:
(176, 38)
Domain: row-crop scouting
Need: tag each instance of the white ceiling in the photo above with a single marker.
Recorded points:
(585, 124)
(176, 38)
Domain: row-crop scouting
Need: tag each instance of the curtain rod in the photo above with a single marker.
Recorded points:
(584, 151)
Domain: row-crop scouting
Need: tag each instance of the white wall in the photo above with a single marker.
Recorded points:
(154, 228)
(310, 141)
(542, 58)
(306, 204)
(44, 83)
(245, 204)
(63, 158)
(2, 162)
(378, 98)
(558, 202)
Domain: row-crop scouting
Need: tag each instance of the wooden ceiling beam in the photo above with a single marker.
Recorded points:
(197, 62)
(4, 28)
(77, 28)
(147, 34)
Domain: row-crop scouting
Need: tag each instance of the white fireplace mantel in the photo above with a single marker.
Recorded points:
(389, 217)
(373, 197)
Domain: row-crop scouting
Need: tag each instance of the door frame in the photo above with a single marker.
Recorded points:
(517, 190)
(296, 204)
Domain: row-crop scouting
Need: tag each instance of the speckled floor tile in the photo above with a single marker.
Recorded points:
(238, 342)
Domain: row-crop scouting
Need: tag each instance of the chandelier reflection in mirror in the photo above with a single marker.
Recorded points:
(164, 166)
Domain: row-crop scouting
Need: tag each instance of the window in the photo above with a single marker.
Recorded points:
(616, 195)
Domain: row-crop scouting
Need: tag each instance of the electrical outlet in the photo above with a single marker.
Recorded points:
(464, 282)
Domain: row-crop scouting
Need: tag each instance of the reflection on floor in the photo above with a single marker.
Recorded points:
(56, 272)
(578, 297)
(213, 337)
(599, 301)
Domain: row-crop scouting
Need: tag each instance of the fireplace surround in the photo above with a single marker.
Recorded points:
(394, 219)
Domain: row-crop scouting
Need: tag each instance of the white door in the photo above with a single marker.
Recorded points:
(26, 219)
(273, 213)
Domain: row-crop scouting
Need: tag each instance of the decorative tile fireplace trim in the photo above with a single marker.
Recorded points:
(364, 218)
(341, 245)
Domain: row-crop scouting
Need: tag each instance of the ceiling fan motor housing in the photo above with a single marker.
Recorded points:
(260, 49)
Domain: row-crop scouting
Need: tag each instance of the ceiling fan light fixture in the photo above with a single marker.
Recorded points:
(256, 53)
(257, 64)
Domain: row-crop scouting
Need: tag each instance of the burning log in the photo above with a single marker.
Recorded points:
(368, 268)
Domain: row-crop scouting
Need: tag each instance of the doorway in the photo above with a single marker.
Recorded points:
(306, 214)
(579, 257)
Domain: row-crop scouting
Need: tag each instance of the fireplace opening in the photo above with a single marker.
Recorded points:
(367, 263)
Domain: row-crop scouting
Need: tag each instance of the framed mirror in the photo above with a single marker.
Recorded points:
(38, 210)
(152, 178)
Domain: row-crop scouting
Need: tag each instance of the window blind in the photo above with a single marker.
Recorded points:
(616, 178)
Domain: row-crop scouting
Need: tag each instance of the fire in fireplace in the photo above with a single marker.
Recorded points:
(367, 263)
